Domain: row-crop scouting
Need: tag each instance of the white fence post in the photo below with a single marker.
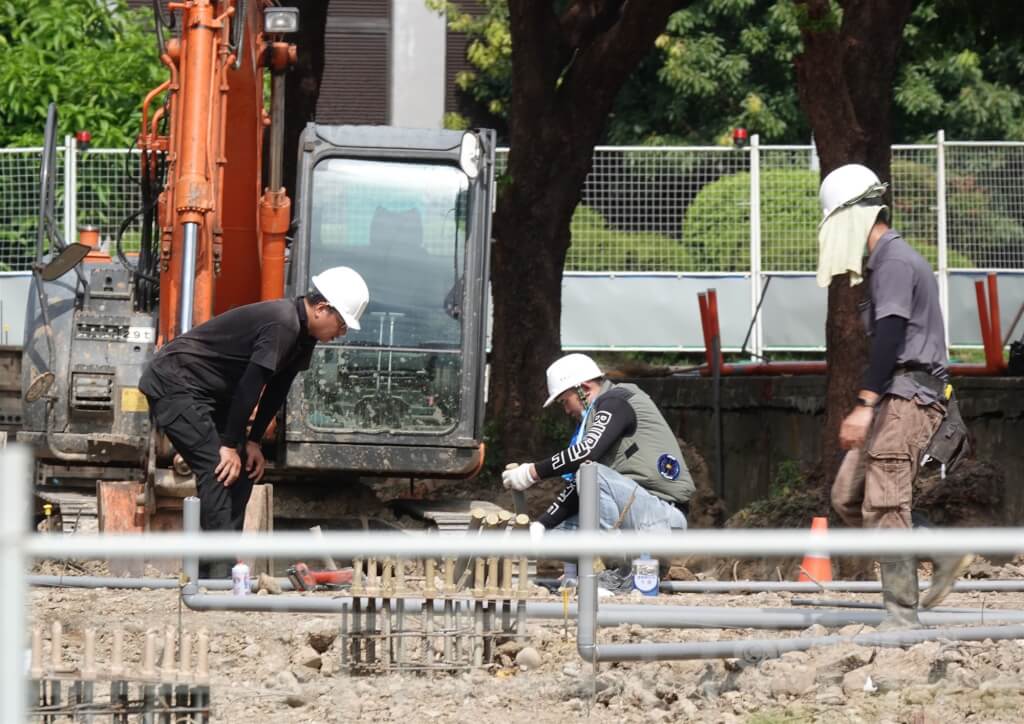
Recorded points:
(70, 190)
(943, 238)
(755, 242)
(15, 462)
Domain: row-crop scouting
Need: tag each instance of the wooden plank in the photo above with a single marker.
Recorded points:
(259, 518)
(166, 520)
(116, 510)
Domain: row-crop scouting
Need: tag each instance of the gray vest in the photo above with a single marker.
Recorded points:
(651, 455)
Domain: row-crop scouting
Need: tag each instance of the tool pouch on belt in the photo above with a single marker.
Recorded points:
(949, 445)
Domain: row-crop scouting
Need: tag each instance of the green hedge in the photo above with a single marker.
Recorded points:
(716, 228)
(595, 247)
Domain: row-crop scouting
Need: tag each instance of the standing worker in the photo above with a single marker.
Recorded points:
(905, 391)
(203, 385)
(644, 482)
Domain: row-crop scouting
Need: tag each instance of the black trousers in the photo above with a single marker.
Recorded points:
(192, 424)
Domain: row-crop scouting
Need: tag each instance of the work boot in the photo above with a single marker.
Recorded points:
(899, 593)
(945, 571)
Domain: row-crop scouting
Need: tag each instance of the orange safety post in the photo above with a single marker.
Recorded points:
(995, 331)
(702, 301)
(716, 330)
(986, 332)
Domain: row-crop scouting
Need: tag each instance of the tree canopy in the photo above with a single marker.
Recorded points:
(720, 64)
(96, 58)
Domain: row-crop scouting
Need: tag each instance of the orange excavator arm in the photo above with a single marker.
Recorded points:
(219, 229)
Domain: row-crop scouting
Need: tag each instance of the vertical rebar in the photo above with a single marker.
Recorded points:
(56, 662)
(148, 674)
(200, 698)
(399, 629)
(372, 583)
(449, 627)
(357, 589)
(181, 691)
(35, 666)
(478, 632)
(88, 674)
(118, 686)
(345, 641)
(371, 630)
(385, 634)
(357, 628)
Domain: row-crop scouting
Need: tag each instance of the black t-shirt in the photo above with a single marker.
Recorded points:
(212, 357)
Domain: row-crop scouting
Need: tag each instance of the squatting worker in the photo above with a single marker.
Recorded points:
(905, 389)
(203, 385)
(644, 482)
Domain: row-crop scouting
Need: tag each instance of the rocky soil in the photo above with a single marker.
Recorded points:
(285, 668)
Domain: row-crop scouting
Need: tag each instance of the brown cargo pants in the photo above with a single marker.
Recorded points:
(873, 486)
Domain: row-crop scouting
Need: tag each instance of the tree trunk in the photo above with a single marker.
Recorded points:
(845, 78)
(566, 72)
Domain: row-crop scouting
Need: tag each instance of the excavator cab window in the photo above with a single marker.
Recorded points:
(403, 227)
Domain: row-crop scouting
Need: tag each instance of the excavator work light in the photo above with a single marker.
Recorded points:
(281, 20)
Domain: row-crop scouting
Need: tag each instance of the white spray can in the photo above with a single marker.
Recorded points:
(240, 583)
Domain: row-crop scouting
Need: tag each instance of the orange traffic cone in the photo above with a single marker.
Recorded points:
(817, 567)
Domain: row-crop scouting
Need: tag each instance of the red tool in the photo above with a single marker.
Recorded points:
(304, 579)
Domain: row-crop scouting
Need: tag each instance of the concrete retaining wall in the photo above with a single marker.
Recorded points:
(771, 420)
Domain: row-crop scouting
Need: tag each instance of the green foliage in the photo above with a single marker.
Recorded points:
(490, 53)
(727, 63)
(95, 58)
(596, 246)
(979, 227)
(717, 225)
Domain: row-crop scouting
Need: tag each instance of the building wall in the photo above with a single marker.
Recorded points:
(387, 62)
(417, 66)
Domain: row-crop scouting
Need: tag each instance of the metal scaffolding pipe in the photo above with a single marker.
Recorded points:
(987, 586)
(650, 616)
(758, 649)
(586, 591)
(211, 584)
(840, 603)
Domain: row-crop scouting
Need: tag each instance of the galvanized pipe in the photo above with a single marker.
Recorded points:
(653, 616)
(211, 584)
(754, 543)
(753, 650)
(840, 603)
(589, 518)
(15, 471)
(988, 586)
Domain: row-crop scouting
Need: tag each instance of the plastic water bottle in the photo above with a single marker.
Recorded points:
(240, 583)
(646, 577)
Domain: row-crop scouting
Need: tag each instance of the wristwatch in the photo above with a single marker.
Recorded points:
(864, 402)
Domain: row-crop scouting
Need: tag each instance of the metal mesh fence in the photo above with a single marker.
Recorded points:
(789, 209)
(985, 201)
(914, 194)
(19, 205)
(648, 209)
(108, 193)
(642, 210)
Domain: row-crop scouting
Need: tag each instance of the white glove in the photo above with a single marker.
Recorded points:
(517, 477)
(536, 531)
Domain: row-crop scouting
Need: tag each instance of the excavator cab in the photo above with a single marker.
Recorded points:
(410, 211)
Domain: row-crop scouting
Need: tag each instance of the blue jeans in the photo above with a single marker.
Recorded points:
(646, 512)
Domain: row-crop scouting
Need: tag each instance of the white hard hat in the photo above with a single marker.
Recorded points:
(570, 371)
(848, 185)
(345, 290)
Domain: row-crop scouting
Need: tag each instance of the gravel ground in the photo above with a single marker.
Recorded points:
(285, 668)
